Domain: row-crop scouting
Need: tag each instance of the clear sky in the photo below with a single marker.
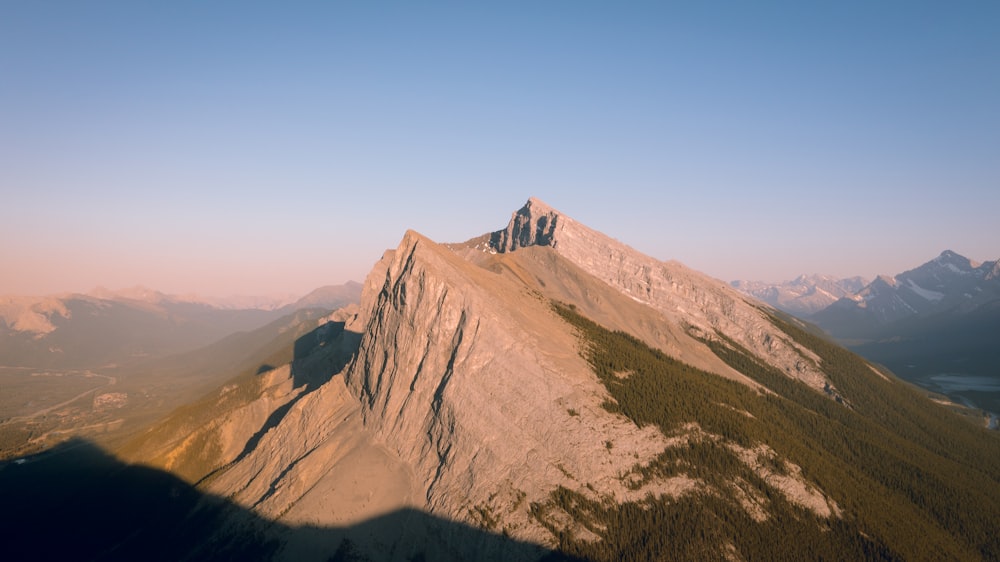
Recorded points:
(273, 147)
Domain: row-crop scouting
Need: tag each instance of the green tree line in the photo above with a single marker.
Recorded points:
(913, 480)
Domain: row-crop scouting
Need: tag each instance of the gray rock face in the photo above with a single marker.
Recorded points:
(690, 299)
(533, 225)
(466, 398)
(466, 375)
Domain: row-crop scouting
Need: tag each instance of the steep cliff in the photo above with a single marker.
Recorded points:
(472, 378)
(467, 397)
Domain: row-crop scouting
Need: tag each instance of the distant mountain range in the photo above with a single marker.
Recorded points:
(327, 296)
(949, 284)
(854, 307)
(803, 296)
(937, 324)
(85, 331)
(145, 294)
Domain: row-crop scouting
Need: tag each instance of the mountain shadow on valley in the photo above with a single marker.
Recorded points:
(341, 345)
(78, 502)
(316, 357)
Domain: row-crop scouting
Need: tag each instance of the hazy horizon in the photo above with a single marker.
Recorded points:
(291, 295)
(233, 149)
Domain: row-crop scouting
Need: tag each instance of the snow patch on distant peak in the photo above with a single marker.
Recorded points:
(927, 294)
(826, 293)
(956, 262)
(956, 269)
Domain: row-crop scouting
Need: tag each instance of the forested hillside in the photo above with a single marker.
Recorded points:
(905, 479)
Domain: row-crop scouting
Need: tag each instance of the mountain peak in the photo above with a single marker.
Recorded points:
(950, 258)
(539, 205)
(136, 293)
(948, 254)
(947, 284)
(689, 298)
(534, 224)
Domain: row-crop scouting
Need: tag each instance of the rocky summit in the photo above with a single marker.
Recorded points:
(545, 391)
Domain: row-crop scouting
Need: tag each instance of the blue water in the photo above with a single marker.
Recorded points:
(949, 382)
(968, 390)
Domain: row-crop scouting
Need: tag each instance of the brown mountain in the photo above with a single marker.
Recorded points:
(549, 384)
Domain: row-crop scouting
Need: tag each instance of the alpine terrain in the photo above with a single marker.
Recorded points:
(950, 284)
(106, 364)
(937, 325)
(804, 295)
(541, 392)
(78, 331)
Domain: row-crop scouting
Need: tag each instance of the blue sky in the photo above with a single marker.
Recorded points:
(248, 148)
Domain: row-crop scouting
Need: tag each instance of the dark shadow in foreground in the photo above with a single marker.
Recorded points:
(77, 502)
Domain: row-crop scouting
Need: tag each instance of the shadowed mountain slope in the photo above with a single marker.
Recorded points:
(77, 502)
